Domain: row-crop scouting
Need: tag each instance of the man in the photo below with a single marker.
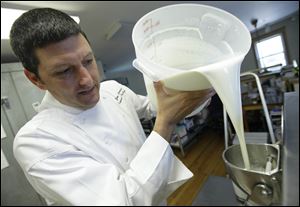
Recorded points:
(86, 145)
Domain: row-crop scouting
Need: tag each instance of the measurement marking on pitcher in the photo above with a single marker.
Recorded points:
(149, 25)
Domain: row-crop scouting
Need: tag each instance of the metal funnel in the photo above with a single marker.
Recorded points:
(262, 183)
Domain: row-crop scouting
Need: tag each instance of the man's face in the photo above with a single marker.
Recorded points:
(68, 70)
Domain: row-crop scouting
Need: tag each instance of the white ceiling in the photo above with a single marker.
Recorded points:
(97, 16)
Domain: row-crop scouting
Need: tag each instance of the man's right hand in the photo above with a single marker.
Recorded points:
(173, 106)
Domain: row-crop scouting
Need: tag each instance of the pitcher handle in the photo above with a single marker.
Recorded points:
(139, 66)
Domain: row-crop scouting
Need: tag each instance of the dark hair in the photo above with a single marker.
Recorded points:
(38, 28)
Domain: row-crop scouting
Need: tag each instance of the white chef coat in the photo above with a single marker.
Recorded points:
(98, 156)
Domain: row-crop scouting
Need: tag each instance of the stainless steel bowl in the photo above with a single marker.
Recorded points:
(262, 182)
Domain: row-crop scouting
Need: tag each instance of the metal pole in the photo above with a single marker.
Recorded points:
(225, 126)
(263, 102)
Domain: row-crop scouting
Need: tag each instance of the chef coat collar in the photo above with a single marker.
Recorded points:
(50, 102)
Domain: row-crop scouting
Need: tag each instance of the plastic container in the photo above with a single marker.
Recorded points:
(183, 44)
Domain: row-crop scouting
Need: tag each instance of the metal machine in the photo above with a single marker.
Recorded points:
(273, 178)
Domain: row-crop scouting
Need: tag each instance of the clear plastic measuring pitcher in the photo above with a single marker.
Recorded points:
(183, 44)
(194, 47)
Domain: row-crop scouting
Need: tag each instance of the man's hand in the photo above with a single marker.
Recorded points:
(173, 106)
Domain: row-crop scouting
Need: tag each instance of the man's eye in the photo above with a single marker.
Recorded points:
(88, 62)
(65, 71)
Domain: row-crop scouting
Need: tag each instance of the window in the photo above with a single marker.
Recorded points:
(271, 51)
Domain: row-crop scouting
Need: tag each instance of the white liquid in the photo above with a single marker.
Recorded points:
(188, 52)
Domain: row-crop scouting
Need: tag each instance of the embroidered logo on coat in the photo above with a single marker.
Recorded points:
(119, 97)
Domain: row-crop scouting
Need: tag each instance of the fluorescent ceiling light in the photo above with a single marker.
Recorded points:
(8, 17)
(112, 30)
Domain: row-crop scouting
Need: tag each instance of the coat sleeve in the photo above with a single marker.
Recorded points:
(68, 176)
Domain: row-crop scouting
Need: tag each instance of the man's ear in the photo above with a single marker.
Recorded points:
(34, 79)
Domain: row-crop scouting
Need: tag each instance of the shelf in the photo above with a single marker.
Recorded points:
(251, 107)
(189, 137)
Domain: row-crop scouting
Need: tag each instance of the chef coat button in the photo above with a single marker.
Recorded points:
(127, 160)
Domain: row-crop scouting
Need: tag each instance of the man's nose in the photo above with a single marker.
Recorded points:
(84, 76)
